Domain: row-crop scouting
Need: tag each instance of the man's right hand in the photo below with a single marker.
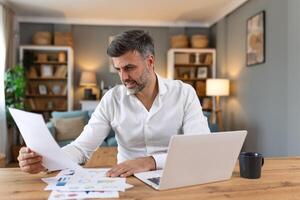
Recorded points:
(30, 161)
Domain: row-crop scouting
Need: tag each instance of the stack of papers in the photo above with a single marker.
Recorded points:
(73, 182)
(85, 183)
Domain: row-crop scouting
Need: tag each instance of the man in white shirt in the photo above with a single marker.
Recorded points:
(144, 112)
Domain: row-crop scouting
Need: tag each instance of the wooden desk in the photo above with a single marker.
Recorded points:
(280, 180)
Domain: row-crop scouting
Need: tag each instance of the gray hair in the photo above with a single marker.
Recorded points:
(132, 40)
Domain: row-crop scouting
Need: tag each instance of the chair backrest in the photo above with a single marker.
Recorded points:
(103, 157)
(2, 160)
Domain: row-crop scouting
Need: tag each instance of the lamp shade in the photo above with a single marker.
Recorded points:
(217, 87)
(88, 79)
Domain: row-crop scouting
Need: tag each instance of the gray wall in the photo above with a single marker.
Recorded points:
(293, 80)
(90, 43)
(265, 100)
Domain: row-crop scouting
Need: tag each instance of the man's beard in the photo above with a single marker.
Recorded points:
(140, 83)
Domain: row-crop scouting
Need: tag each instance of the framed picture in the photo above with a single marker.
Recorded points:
(42, 89)
(46, 70)
(256, 39)
(202, 72)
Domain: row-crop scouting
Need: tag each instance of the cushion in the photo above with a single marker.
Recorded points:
(68, 128)
(71, 114)
(213, 127)
(112, 142)
(206, 114)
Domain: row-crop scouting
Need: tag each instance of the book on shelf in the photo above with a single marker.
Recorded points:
(32, 73)
(31, 89)
(208, 59)
(61, 71)
(64, 90)
(31, 104)
(201, 88)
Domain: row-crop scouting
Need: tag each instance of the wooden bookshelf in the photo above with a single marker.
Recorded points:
(193, 66)
(47, 79)
(46, 96)
(51, 63)
(49, 72)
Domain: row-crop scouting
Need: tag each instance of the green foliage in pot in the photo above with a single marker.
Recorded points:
(15, 86)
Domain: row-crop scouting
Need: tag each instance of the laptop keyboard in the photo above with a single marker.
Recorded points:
(155, 180)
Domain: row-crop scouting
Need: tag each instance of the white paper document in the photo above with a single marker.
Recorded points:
(59, 195)
(85, 180)
(38, 138)
(83, 184)
(95, 180)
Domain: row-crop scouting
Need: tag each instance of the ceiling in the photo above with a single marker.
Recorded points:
(198, 13)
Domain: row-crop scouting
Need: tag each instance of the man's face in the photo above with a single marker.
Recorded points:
(134, 70)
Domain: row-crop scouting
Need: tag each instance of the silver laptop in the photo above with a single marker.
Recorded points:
(197, 159)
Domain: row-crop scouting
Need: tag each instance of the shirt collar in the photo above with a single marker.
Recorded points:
(162, 89)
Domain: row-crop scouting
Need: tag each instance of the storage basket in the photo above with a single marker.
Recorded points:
(199, 41)
(42, 38)
(63, 39)
(179, 41)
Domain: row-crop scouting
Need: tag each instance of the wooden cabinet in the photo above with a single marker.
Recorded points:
(49, 73)
(193, 66)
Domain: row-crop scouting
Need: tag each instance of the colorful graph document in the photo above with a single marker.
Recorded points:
(86, 180)
(86, 183)
(55, 195)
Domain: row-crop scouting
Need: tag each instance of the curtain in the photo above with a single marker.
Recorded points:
(6, 61)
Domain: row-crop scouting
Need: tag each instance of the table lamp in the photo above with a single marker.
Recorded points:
(216, 88)
(88, 80)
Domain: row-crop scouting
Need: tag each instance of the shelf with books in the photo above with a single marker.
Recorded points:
(46, 79)
(46, 96)
(193, 66)
(50, 62)
(49, 72)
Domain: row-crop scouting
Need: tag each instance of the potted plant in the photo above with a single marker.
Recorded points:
(15, 86)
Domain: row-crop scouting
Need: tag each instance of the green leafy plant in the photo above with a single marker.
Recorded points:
(15, 86)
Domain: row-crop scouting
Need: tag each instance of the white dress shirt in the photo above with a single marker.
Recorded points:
(139, 132)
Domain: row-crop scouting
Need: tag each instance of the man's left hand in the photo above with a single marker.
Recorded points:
(130, 167)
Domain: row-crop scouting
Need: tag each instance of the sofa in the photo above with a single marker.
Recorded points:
(212, 126)
(66, 126)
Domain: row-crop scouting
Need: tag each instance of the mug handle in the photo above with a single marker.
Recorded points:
(263, 161)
